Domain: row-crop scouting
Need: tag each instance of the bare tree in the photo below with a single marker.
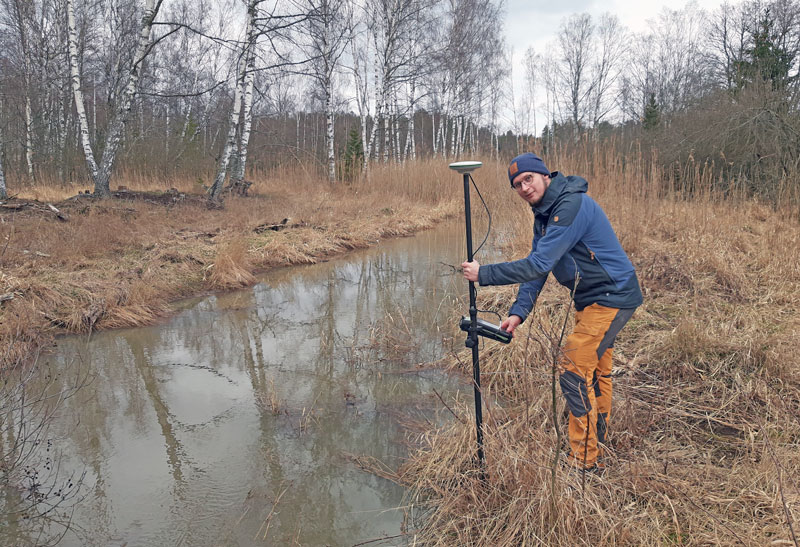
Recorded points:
(101, 173)
(532, 62)
(668, 61)
(394, 25)
(239, 90)
(78, 93)
(359, 52)
(609, 49)
(465, 64)
(326, 36)
(22, 15)
(728, 40)
(237, 177)
(574, 54)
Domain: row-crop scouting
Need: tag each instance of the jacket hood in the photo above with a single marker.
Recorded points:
(559, 185)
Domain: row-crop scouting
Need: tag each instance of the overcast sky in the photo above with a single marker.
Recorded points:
(535, 22)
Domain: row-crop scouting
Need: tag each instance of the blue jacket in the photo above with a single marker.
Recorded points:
(572, 237)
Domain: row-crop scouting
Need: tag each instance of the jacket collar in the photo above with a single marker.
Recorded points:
(557, 183)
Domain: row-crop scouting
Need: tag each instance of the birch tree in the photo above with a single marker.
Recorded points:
(22, 14)
(465, 65)
(394, 26)
(215, 190)
(326, 36)
(101, 172)
(83, 122)
(359, 55)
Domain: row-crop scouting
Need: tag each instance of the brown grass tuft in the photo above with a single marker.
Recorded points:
(231, 268)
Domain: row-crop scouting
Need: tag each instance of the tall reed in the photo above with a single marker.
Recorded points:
(702, 447)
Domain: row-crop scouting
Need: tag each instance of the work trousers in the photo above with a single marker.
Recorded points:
(586, 379)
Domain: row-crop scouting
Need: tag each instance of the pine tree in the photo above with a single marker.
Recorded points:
(652, 114)
(353, 155)
(767, 59)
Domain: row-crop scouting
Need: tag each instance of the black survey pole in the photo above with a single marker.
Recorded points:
(465, 167)
(472, 337)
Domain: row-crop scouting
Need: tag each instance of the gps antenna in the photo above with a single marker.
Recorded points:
(465, 168)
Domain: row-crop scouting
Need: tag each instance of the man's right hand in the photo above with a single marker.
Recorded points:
(511, 323)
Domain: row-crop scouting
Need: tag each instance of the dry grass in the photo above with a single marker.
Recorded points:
(703, 447)
(118, 263)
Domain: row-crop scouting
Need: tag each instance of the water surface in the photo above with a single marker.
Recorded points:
(236, 421)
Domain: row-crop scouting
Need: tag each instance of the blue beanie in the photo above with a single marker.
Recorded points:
(526, 163)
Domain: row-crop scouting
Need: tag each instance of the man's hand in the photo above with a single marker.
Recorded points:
(511, 323)
(471, 270)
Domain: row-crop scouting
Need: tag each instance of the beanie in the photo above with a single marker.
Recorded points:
(526, 163)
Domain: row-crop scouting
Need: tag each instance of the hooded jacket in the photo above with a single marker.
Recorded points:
(572, 238)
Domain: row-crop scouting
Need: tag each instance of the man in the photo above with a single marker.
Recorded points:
(572, 238)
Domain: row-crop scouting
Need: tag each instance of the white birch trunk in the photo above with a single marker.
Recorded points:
(233, 123)
(247, 100)
(247, 123)
(396, 131)
(3, 191)
(371, 144)
(83, 123)
(386, 136)
(230, 143)
(28, 131)
(187, 116)
(434, 135)
(166, 134)
(26, 68)
(329, 133)
(444, 123)
(409, 148)
(94, 111)
(413, 146)
(380, 95)
(114, 136)
(63, 125)
(361, 97)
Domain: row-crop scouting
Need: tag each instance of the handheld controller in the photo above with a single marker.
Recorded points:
(486, 329)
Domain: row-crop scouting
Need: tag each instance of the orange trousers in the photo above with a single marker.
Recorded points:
(586, 379)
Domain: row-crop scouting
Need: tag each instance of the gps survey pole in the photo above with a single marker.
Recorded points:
(465, 168)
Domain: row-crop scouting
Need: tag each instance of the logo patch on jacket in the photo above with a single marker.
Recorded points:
(555, 219)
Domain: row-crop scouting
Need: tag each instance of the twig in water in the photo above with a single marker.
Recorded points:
(378, 539)
(267, 521)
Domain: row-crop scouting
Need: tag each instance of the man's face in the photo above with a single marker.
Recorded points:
(531, 186)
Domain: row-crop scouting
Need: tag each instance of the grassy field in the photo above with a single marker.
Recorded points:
(704, 431)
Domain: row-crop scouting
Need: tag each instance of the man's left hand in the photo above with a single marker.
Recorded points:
(471, 270)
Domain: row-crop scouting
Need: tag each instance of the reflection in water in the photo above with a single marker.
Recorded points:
(231, 423)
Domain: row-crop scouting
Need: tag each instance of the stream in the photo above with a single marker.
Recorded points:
(241, 419)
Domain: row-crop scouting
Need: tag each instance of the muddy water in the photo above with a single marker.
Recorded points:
(235, 422)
